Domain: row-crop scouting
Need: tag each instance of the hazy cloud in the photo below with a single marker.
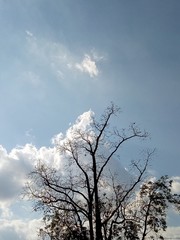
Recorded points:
(32, 78)
(29, 135)
(59, 60)
(172, 233)
(97, 57)
(30, 34)
(176, 184)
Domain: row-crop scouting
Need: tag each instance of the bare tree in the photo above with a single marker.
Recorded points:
(85, 199)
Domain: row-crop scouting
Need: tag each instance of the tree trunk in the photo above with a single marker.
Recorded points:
(97, 207)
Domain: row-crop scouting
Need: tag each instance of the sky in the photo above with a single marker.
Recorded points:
(59, 59)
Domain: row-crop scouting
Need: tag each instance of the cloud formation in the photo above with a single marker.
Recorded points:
(89, 66)
(19, 229)
(14, 167)
(59, 59)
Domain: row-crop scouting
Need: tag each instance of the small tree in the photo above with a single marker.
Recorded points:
(84, 199)
(156, 197)
(146, 215)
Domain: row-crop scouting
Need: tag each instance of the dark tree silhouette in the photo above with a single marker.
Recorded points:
(85, 199)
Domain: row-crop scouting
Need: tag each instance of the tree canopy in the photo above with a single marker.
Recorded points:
(85, 198)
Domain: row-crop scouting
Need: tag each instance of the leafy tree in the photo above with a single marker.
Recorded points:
(85, 199)
(146, 215)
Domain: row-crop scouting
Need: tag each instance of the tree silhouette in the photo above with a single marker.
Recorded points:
(85, 199)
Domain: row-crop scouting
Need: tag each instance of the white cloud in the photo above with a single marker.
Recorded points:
(19, 229)
(14, 167)
(83, 122)
(60, 60)
(88, 65)
(176, 184)
(6, 212)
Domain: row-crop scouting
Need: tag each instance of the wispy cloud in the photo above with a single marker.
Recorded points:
(29, 135)
(32, 78)
(60, 60)
(97, 57)
(88, 65)
(30, 34)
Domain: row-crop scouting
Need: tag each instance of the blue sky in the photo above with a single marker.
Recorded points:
(62, 58)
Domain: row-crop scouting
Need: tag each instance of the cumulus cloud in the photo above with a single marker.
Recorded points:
(19, 229)
(14, 167)
(83, 124)
(88, 65)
